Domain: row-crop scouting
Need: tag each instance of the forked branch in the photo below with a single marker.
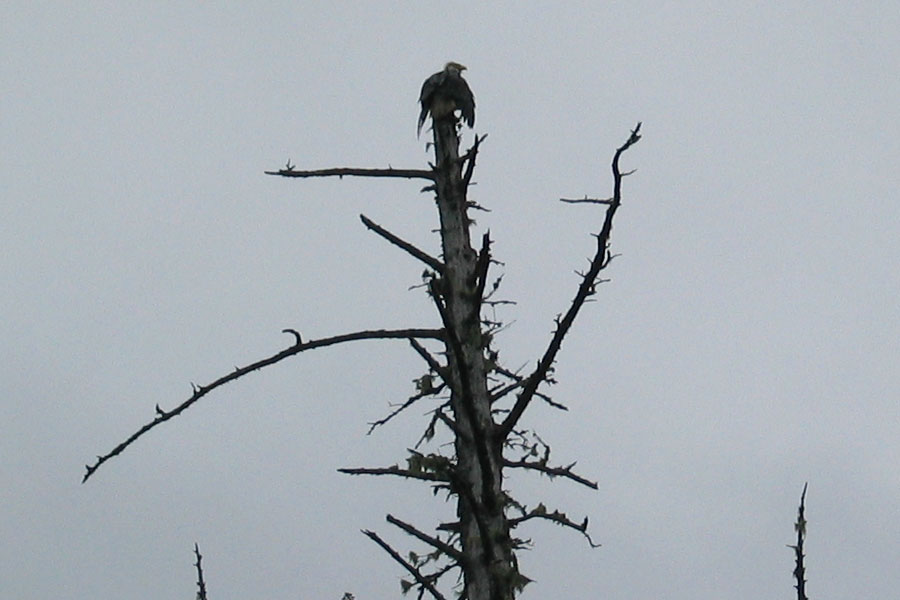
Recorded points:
(585, 290)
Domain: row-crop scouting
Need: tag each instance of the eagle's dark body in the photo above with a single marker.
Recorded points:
(446, 92)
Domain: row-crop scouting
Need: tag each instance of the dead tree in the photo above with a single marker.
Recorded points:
(476, 401)
(800, 529)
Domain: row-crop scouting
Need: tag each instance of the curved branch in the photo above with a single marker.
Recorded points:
(200, 391)
(560, 518)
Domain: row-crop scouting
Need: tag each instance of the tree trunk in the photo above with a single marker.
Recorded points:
(489, 567)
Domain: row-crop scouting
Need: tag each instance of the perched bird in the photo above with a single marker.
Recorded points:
(444, 93)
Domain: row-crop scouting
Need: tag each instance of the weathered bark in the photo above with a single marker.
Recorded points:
(489, 567)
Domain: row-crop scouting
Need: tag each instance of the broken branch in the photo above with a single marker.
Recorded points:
(424, 257)
(356, 172)
(432, 541)
(395, 470)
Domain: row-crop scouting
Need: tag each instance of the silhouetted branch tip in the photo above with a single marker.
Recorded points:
(297, 339)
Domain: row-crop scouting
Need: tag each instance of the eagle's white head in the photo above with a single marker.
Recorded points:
(454, 67)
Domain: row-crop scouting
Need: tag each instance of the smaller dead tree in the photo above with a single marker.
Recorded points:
(475, 401)
(201, 584)
(800, 529)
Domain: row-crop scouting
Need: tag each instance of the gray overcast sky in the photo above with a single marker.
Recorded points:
(747, 343)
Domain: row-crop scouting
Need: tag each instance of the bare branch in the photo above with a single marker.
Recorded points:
(585, 289)
(432, 541)
(200, 391)
(424, 257)
(409, 402)
(201, 585)
(550, 471)
(481, 271)
(421, 579)
(500, 391)
(356, 172)
(433, 364)
(470, 156)
(437, 415)
(450, 423)
(395, 470)
(519, 382)
(587, 200)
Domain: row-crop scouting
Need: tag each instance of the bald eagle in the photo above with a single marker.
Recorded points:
(444, 93)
